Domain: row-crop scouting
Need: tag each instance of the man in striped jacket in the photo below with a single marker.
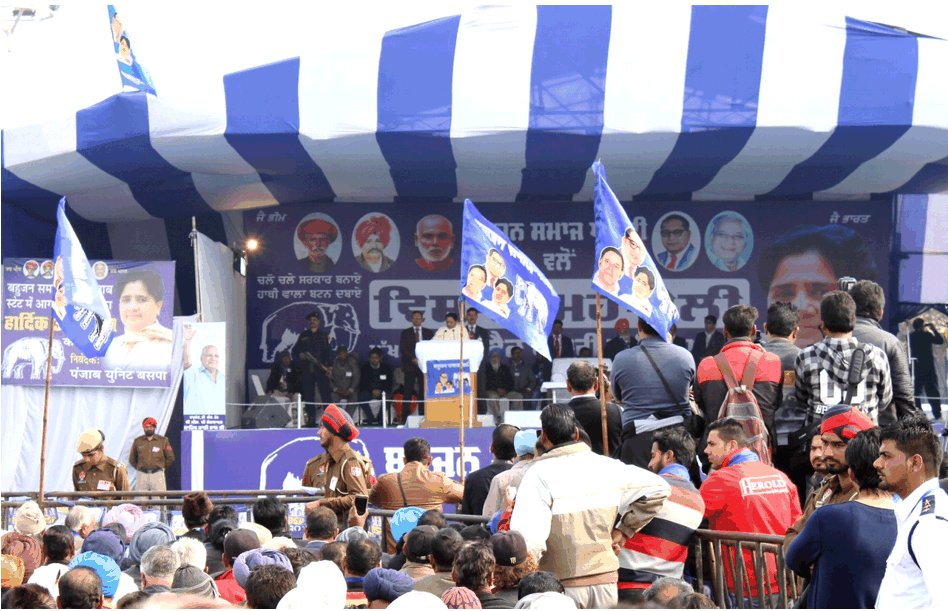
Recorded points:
(660, 549)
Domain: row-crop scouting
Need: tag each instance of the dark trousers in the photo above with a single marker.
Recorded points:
(414, 385)
(926, 383)
(311, 381)
(636, 449)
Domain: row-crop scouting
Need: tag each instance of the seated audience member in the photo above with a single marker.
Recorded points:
(383, 586)
(190, 580)
(58, 549)
(474, 570)
(415, 601)
(158, 567)
(80, 588)
(547, 600)
(29, 520)
(691, 600)
(26, 548)
(119, 531)
(29, 596)
(418, 552)
(537, 582)
(262, 532)
(81, 522)
(852, 539)
(148, 536)
(235, 543)
(433, 517)
(195, 509)
(475, 532)
(512, 563)
(132, 600)
(300, 557)
(460, 598)
(321, 528)
(335, 552)
(477, 484)
(270, 513)
(524, 445)
(105, 541)
(107, 569)
(665, 589)
(249, 561)
(130, 517)
(214, 546)
(266, 585)
(362, 556)
(279, 544)
(444, 547)
(190, 552)
(319, 585)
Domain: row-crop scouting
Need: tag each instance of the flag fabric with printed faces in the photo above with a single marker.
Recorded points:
(78, 304)
(500, 281)
(624, 270)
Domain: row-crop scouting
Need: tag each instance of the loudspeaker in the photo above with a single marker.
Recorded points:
(265, 416)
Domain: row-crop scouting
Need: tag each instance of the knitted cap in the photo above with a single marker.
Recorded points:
(104, 541)
(24, 547)
(239, 541)
(510, 549)
(845, 421)
(191, 580)
(461, 598)
(89, 441)
(147, 537)
(248, 561)
(386, 584)
(29, 519)
(107, 569)
(353, 533)
(128, 515)
(340, 423)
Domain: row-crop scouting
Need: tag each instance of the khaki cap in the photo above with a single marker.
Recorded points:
(89, 441)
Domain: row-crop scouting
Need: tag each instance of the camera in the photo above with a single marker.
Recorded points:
(845, 283)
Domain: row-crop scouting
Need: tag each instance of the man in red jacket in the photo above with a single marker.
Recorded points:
(744, 495)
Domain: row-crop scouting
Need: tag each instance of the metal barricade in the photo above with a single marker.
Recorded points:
(727, 557)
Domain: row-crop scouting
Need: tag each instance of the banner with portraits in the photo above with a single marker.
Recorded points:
(205, 376)
(140, 297)
(625, 271)
(711, 255)
(444, 379)
(135, 77)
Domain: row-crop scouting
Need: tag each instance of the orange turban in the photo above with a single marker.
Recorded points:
(317, 226)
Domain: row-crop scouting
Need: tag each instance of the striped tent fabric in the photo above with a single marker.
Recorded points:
(513, 104)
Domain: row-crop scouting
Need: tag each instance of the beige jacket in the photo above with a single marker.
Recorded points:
(567, 505)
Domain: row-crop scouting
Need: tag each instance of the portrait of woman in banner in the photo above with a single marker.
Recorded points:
(145, 344)
(643, 285)
(729, 241)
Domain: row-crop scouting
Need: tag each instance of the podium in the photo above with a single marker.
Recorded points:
(446, 392)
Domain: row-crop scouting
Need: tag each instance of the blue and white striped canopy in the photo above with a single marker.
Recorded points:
(512, 104)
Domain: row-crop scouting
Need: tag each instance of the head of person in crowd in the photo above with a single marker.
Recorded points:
(236, 543)
(910, 454)
(59, 545)
(28, 596)
(119, 530)
(158, 566)
(223, 512)
(267, 584)
(581, 378)
(663, 590)
(475, 532)
(415, 601)
(474, 567)
(417, 449)
(336, 428)
(546, 600)
(645, 329)
(838, 313)
(91, 447)
(316, 235)
(816, 454)
(502, 442)
(279, 543)
(130, 517)
(133, 600)
(434, 238)
(148, 536)
(559, 425)
(725, 437)
(361, 557)
(319, 585)
(196, 508)
(190, 580)
(149, 426)
(691, 600)
(106, 568)
(270, 512)
(418, 544)
(739, 321)
(251, 560)
(710, 323)
(191, 552)
(80, 588)
(783, 321)
(24, 547)
(525, 443)
(107, 542)
(805, 263)
(80, 521)
(861, 453)
(262, 532)
(217, 532)
(460, 598)
(539, 582)
(494, 360)
(671, 445)
(840, 424)
(869, 298)
(300, 557)
(13, 571)
(383, 586)
(321, 525)
(335, 552)
(29, 520)
(451, 320)
(445, 546)
(512, 561)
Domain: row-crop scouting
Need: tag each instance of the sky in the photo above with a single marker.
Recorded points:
(57, 66)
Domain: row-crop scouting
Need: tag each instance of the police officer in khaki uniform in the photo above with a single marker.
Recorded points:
(339, 471)
(150, 454)
(96, 472)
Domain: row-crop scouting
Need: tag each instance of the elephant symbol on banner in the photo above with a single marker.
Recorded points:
(282, 328)
(531, 302)
(31, 352)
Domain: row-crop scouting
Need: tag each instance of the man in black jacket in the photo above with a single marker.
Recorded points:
(477, 484)
(474, 331)
(582, 383)
(286, 378)
(870, 303)
(708, 342)
(375, 378)
(414, 377)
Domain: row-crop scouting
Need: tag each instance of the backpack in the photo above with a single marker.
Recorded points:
(741, 404)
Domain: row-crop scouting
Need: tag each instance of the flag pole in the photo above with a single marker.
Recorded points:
(461, 389)
(602, 389)
(49, 373)
(197, 275)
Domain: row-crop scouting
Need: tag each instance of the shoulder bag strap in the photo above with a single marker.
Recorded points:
(854, 375)
(661, 376)
(401, 488)
(750, 370)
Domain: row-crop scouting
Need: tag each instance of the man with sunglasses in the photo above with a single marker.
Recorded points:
(676, 238)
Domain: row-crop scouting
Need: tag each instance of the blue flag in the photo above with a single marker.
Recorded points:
(135, 77)
(503, 283)
(624, 271)
(78, 304)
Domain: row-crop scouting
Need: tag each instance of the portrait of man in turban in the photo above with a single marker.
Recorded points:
(316, 235)
(372, 235)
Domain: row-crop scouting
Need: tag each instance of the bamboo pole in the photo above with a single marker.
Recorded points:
(49, 373)
(461, 389)
(602, 390)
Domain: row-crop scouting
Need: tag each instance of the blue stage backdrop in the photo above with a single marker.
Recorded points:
(367, 267)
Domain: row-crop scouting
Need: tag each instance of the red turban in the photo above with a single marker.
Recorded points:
(374, 224)
(317, 226)
(845, 421)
